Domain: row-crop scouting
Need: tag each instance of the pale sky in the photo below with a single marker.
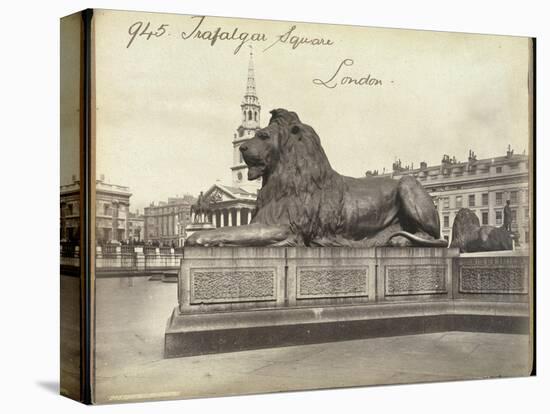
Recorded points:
(167, 108)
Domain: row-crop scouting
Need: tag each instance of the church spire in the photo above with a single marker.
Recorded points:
(251, 82)
(251, 104)
(250, 123)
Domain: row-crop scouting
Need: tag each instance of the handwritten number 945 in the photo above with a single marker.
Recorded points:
(139, 29)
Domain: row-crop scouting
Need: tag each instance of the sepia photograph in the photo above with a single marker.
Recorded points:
(285, 206)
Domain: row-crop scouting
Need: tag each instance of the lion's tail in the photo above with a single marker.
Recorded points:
(421, 241)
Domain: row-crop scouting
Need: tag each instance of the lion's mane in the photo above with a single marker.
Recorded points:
(301, 189)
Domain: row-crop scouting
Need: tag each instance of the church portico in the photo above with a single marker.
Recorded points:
(230, 215)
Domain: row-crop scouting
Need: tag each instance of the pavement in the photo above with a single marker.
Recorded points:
(131, 317)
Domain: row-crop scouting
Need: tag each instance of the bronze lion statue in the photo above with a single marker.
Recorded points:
(469, 236)
(304, 202)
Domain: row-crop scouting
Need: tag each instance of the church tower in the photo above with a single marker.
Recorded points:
(250, 123)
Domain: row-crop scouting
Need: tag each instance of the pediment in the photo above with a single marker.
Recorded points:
(218, 194)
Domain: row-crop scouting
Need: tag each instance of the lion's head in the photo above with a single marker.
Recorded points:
(262, 153)
(285, 135)
(299, 185)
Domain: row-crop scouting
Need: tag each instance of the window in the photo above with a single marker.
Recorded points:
(499, 199)
(249, 115)
(445, 202)
(499, 218)
(499, 170)
(485, 218)
(514, 216)
(526, 214)
(70, 208)
(513, 197)
(105, 209)
(445, 221)
(526, 237)
(458, 201)
(485, 199)
(471, 200)
(240, 157)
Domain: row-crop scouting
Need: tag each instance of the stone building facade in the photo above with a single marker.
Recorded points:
(483, 186)
(230, 206)
(112, 211)
(164, 223)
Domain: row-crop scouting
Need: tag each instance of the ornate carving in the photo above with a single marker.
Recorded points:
(331, 282)
(490, 279)
(230, 285)
(415, 280)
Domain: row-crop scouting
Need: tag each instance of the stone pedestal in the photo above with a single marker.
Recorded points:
(193, 227)
(233, 299)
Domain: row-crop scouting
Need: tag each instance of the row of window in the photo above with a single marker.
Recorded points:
(471, 199)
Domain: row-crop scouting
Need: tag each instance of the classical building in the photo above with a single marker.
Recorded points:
(483, 186)
(112, 207)
(230, 206)
(164, 223)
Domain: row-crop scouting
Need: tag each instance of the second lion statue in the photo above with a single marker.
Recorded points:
(304, 202)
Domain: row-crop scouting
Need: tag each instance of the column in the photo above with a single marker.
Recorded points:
(214, 219)
(249, 216)
(192, 217)
(238, 216)
(230, 217)
(222, 218)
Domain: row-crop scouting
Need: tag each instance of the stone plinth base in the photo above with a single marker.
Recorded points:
(199, 334)
(233, 299)
(194, 227)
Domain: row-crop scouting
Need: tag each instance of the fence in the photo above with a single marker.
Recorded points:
(125, 259)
